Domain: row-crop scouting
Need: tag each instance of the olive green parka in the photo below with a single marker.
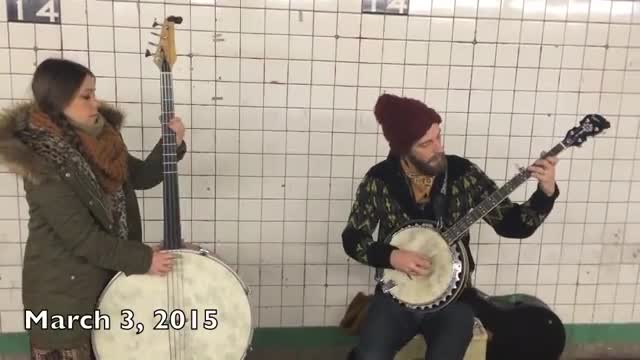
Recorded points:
(72, 248)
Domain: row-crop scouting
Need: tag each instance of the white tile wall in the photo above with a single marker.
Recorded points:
(280, 128)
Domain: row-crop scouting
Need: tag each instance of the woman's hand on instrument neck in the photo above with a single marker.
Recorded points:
(545, 171)
(177, 126)
(161, 262)
(410, 263)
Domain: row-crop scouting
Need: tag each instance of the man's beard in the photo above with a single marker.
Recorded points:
(432, 167)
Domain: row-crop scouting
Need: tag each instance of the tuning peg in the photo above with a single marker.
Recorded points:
(152, 44)
(155, 33)
(147, 53)
(175, 19)
(155, 23)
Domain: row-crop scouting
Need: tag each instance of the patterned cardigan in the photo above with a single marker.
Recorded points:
(384, 197)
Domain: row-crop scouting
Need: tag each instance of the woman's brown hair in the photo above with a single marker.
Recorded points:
(54, 85)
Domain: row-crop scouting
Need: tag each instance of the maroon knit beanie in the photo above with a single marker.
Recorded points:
(404, 121)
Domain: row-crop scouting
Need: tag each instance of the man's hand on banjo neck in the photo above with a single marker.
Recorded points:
(410, 263)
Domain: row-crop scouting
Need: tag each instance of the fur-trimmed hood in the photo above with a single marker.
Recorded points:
(19, 156)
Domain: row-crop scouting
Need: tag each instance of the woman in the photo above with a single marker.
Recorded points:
(84, 220)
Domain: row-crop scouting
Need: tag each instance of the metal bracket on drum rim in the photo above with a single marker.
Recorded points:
(388, 286)
(457, 266)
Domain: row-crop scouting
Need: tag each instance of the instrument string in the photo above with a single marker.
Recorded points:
(166, 197)
(169, 205)
(178, 272)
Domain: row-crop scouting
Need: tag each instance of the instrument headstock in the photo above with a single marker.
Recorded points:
(591, 125)
(165, 55)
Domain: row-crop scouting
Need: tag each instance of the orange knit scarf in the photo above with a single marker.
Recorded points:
(106, 153)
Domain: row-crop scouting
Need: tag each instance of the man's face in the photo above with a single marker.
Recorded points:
(427, 154)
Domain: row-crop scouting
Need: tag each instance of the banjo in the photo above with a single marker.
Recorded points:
(200, 310)
(449, 273)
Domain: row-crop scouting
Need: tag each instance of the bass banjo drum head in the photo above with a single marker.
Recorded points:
(199, 286)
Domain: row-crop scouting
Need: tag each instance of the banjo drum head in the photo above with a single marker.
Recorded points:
(425, 289)
(204, 304)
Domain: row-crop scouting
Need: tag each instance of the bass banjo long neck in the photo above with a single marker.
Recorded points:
(590, 125)
(165, 58)
(171, 198)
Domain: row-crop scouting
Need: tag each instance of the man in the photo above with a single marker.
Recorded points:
(401, 188)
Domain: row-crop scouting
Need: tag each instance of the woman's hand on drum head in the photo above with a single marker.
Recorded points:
(409, 262)
(161, 263)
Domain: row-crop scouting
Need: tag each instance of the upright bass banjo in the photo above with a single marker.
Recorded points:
(200, 310)
(449, 260)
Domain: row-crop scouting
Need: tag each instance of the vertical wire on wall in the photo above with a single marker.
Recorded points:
(312, 60)
(621, 238)
(541, 229)
(532, 157)
(504, 288)
(568, 162)
(262, 112)
(333, 110)
(472, 246)
(286, 137)
(615, 125)
(359, 38)
(491, 113)
(578, 266)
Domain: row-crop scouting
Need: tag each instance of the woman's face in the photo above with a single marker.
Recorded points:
(83, 108)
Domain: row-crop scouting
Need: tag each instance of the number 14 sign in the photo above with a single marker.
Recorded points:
(400, 7)
(34, 11)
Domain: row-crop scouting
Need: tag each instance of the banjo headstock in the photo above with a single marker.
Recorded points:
(165, 55)
(591, 125)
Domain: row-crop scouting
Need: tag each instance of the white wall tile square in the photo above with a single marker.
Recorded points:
(21, 35)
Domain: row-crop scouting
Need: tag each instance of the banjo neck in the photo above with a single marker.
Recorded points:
(171, 199)
(164, 58)
(490, 202)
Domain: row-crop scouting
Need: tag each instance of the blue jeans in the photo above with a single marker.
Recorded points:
(388, 326)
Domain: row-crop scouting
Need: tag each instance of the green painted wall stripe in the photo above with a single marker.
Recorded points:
(13, 343)
(603, 333)
(310, 337)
